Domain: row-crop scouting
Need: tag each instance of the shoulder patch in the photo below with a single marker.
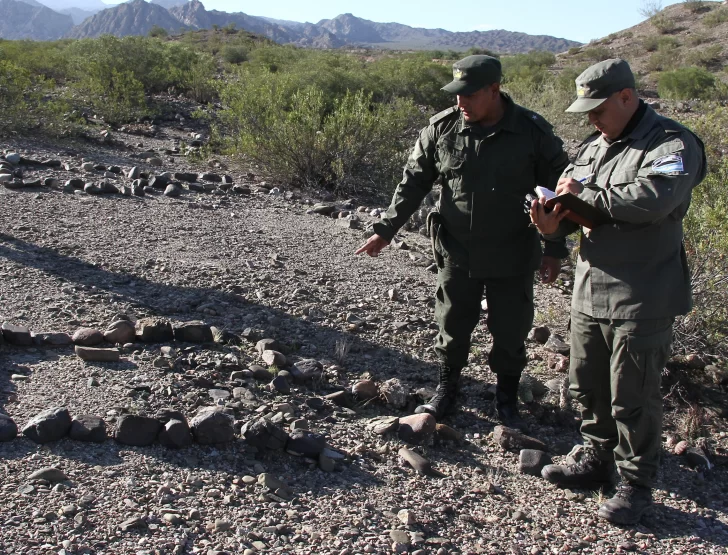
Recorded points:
(671, 164)
(442, 115)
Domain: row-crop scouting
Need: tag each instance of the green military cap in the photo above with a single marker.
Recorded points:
(473, 73)
(599, 82)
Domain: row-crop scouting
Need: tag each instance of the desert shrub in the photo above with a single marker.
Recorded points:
(158, 32)
(694, 6)
(234, 54)
(653, 42)
(685, 83)
(596, 53)
(345, 144)
(704, 57)
(650, 8)
(118, 99)
(14, 80)
(664, 24)
(531, 68)
(697, 39)
(716, 17)
(665, 58)
(574, 50)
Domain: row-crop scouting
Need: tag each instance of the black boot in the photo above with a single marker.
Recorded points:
(588, 472)
(628, 505)
(506, 403)
(445, 398)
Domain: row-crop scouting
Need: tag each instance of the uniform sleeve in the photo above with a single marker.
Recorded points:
(551, 163)
(661, 185)
(419, 175)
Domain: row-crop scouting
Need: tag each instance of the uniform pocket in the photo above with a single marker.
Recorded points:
(451, 158)
(582, 167)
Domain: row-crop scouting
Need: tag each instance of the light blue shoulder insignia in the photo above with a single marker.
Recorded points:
(442, 115)
(671, 164)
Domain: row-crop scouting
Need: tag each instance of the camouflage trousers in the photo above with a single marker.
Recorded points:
(615, 372)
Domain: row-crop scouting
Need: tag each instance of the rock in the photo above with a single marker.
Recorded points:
(16, 335)
(173, 190)
(556, 344)
(53, 339)
(8, 428)
(139, 431)
(120, 332)
(154, 330)
(269, 481)
(557, 362)
(327, 464)
(176, 434)
(96, 354)
(697, 458)
(539, 334)
(267, 344)
(532, 461)
(92, 189)
(382, 425)
(192, 332)
(133, 173)
(406, 517)
(88, 427)
(340, 398)
(263, 434)
(394, 393)
(211, 425)
(307, 370)
(363, 390)
(13, 158)
(305, 443)
(274, 358)
(49, 474)
(132, 523)
(416, 428)
(444, 432)
(418, 462)
(281, 385)
(323, 208)
(555, 384)
(513, 440)
(681, 448)
(49, 425)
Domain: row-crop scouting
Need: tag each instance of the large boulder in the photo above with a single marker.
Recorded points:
(121, 332)
(87, 337)
(8, 428)
(264, 434)
(192, 332)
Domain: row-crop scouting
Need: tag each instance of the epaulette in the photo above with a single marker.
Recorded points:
(442, 115)
(590, 138)
(669, 125)
(538, 120)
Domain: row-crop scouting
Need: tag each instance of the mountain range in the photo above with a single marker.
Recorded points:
(55, 19)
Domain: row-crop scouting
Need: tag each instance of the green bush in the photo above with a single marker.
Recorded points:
(597, 54)
(653, 42)
(664, 59)
(664, 24)
(716, 17)
(694, 6)
(234, 54)
(697, 39)
(345, 145)
(704, 57)
(158, 32)
(14, 81)
(686, 83)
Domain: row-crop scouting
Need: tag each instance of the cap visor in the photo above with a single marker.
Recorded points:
(461, 88)
(585, 104)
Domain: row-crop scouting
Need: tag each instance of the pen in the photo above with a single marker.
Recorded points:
(585, 178)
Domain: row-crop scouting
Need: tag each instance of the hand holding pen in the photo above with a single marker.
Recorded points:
(571, 185)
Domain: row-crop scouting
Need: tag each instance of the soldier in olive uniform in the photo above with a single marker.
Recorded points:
(489, 153)
(632, 279)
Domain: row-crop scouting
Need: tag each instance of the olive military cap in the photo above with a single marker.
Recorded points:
(599, 82)
(472, 74)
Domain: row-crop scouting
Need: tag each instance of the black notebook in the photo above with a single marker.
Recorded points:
(581, 212)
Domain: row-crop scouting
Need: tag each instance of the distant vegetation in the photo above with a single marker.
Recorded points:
(344, 121)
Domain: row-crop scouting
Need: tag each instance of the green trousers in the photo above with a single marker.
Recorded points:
(458, 309)
(615, 372)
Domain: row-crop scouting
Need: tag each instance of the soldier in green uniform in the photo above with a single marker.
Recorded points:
(632, 279)
(489, 154)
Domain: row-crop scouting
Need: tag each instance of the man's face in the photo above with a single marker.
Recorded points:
(611, 116)
(479, 105)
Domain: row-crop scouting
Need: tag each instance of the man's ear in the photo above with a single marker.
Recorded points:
(627, 96)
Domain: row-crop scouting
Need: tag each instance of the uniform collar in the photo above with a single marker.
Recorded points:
(508, 122)
(640, 130)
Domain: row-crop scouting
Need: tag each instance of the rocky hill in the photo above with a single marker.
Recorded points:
(21, 20)
(133, 18)
(683, 34)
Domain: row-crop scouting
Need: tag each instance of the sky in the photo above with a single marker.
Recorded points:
(578, 20)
